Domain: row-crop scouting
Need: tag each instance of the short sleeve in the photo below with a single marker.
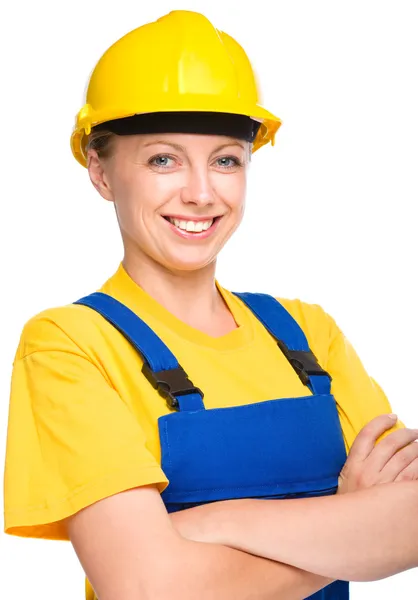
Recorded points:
(71, 439)
(359, 398)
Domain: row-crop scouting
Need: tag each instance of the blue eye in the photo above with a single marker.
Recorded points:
(161, 161)
(225, 161)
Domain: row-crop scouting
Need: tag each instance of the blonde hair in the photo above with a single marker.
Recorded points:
(101, 142)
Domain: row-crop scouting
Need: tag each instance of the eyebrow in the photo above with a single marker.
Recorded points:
(183, 149)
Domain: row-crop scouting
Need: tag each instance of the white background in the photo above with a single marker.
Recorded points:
(331, 214)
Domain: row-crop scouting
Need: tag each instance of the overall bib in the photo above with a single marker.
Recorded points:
(274, 449)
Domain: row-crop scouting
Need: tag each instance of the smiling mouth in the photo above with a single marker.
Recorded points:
(192, 226)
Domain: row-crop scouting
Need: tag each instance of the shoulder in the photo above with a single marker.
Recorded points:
(70, 327)
(65, 328)
(312, 318)
(319, 327)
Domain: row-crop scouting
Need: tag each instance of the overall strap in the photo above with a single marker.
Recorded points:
(290, 339)
(160, 367)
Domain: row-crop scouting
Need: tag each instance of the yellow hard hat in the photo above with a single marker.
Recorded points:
(179, 63)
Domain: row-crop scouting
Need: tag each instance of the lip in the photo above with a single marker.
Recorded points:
(187, 235)
(194, 219)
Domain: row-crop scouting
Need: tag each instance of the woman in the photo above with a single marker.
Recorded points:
(148, 420)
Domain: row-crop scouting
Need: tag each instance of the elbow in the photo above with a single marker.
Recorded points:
(166, 575)
(160, 584)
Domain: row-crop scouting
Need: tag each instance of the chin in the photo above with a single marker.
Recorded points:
(189, 265)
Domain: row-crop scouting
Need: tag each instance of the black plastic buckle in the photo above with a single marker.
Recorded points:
(303, 362)
(170, 384)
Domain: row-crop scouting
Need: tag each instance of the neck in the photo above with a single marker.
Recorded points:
(191, 296)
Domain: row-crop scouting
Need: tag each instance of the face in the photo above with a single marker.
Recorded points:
(178, 197)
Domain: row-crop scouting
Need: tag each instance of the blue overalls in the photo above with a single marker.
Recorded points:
(282, 448)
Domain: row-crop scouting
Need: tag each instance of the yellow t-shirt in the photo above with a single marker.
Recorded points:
(83, 418)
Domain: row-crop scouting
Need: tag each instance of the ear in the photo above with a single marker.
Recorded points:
(98, 175)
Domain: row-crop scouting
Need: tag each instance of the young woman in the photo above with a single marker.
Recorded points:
(150, 421)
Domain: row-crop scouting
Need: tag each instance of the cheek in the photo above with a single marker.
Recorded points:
(137, 198)
(232, 189)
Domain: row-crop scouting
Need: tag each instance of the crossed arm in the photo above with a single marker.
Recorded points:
(246, 549)
(129, 548)
(363, 536)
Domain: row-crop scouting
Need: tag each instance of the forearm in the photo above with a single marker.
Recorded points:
(210, 571)
(361, 536)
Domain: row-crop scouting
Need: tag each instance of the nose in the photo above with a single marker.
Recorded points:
(199, 189)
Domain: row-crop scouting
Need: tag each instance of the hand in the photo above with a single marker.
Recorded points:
(393, 459)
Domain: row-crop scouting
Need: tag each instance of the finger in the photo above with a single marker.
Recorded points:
(399, 462)
(366, 439)
(410, 473)
(387, 448)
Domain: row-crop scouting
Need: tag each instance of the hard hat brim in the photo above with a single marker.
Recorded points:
(266, 132)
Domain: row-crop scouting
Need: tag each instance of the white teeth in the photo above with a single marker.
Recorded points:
(191, 226)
